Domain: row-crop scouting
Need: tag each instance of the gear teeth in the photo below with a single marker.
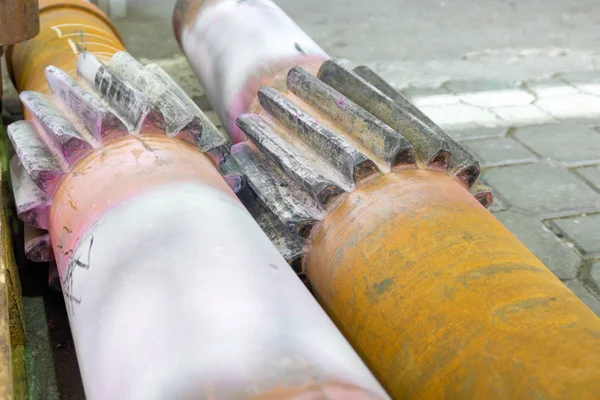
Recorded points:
(44, 165)
(317, 138)
(101, 102)
(292, 206)
(56, 128)
(351, 164)
(177, 117)
(291, 246)
(464, 167)
(31, 202)
(382, 141)
(37, 245)
(305, 171)
(96, 118)
(131, 106)
(483, 192)
(212, 141)
(431, 148)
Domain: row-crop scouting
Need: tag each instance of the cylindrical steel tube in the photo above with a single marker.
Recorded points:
(215, 36)
(449, 302)
(19, 21)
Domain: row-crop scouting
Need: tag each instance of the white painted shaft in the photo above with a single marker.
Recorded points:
(178, 294)
(229, 42)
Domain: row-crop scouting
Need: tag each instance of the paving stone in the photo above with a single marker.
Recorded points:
(569, 144)
(558, 256)
(583, 230)
(499, 203)
(551, 89)
(592, 174)
(477, 133)
(591, 88)
(581, 77)
(519, 115)
(503, 151)
(438, 100)
(497, 98)
(594, 278)
(413, 93)
(478, 86)
(576, 105)
(459, 114)
(543, 189)
(584, 295)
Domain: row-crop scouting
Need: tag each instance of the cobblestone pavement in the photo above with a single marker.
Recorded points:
(539, 146)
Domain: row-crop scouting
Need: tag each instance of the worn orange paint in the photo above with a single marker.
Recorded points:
(67, 27)
(442, 301)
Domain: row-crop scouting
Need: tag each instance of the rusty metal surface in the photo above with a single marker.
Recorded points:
(449, 302)
(19, 21)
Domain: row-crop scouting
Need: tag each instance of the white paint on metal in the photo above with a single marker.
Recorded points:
(231, 40)
(178, 293)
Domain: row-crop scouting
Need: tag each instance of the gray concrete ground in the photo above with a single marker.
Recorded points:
(516, 82)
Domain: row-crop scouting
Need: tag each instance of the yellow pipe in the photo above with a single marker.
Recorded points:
(67, 27)
(442, 301)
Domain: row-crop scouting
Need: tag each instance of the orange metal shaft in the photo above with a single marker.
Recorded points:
(442, 301)
(67, 28)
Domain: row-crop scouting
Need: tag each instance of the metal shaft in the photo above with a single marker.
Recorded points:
(172, 289)
(19, 21)
(382, 211)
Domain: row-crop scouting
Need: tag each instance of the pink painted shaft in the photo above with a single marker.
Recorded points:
(174, 292)
(236, 46)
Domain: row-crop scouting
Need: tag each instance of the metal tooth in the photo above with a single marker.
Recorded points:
(483, 192)
(233, 175)
(293, 207)
(211, 141)
(465, 167)
(380, 139)
(303, 169)
(351, 164)
(176, 114)
(57, 128)
(292, 247)
(45, 166)
(430, 147)
(37, 245)
(32, 203)
(90, 111)
(132, 107)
